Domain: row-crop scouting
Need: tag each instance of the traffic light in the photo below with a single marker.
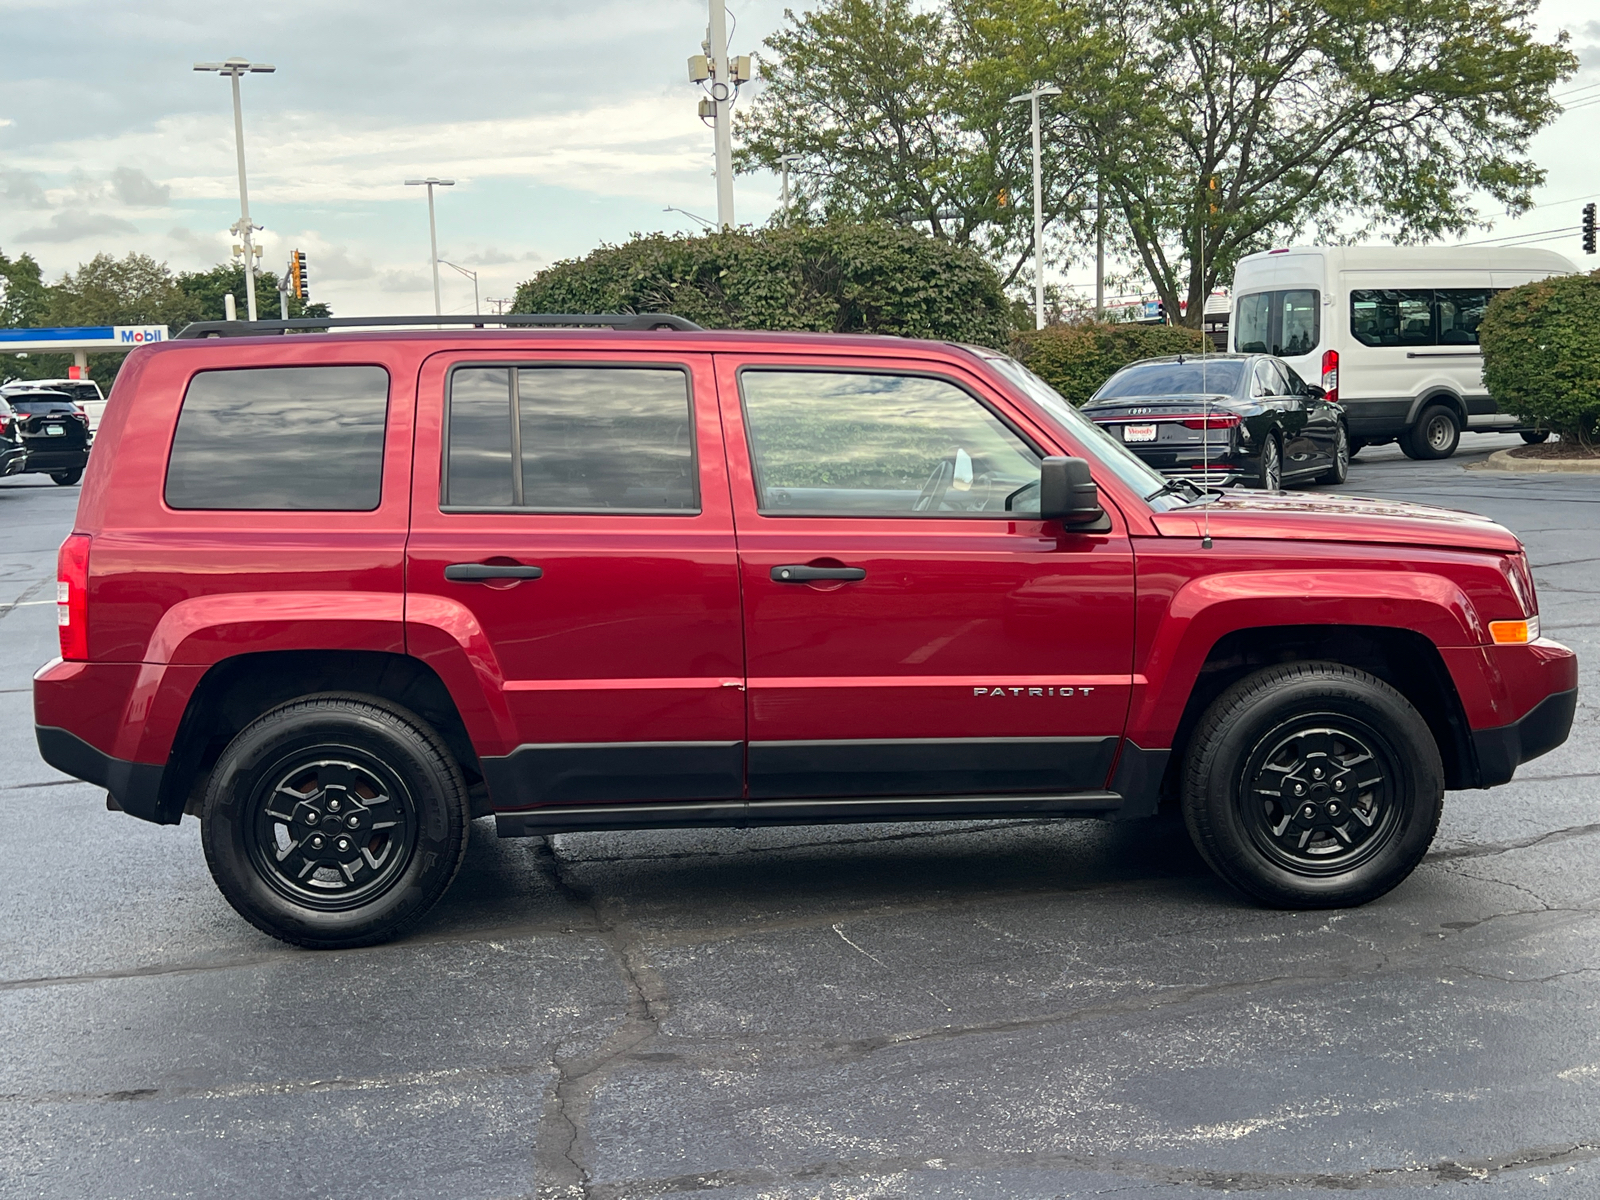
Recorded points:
(1588, 228)
(297, 275)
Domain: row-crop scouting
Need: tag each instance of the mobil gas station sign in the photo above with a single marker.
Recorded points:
(81, 337)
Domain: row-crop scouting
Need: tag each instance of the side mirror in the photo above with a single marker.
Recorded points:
(1316, 391)
(1067, 492)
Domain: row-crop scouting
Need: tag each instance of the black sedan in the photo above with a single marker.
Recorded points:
(55, 430)
(13, 454)
(1225, 418)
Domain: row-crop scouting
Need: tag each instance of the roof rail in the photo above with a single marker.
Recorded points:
(626, 321)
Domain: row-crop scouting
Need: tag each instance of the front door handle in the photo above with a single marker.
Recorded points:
(800, 573)
(480, 572)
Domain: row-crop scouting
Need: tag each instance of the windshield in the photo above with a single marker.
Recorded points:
(1104, 448)
(1197, 377)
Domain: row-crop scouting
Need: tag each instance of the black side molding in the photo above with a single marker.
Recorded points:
(818, 811)
(1503, 749)
(135, 786)
(608, 772)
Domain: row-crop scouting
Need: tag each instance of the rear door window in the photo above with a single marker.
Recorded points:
(1460, 311)
(570, 439)
(1392, 316)
(1288, 322)
(292, 438)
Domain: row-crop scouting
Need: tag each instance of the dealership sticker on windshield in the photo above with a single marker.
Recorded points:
(1138, 433)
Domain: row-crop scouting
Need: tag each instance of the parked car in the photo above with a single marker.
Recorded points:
(13, 454)
(55, 430)
(335, 595)
(1391, 332)
(86, 392)
(1223, 419)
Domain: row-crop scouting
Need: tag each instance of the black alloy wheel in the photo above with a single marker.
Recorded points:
(1340, 470)
(67, 478)
(1436, 434)
(1269, 470)
(1312, 785)
(334, 821)
(1535, 437)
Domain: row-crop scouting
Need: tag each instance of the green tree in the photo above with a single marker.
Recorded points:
(24, 297)
(206, 289)
(135, 290)
(900, 113)
(1541, 354)
(1077, 359)
(834, 278)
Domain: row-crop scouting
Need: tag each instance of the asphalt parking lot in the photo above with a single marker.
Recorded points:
(1025, 1009)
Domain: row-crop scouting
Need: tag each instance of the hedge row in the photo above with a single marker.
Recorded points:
(1076, 359)
(1541, 354)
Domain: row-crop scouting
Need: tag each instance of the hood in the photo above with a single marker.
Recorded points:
(1322, 518)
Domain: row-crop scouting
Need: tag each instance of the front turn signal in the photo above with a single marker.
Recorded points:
(1514, 633)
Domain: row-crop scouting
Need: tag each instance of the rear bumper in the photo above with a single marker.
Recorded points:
(136, 787)
(73, 458)
(1502, 750)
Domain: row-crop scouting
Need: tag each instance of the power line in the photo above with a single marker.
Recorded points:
(1506, 237)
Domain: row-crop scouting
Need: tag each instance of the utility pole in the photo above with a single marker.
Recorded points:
(722, 95)
(433, 233)
(786, 161)
(500, 303)
(234, 68)
(1033, 96)
(1099, 250)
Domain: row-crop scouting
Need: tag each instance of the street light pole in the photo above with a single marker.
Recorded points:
(234, 68)
(433, 236)
(476, 306)
(1033, 96)
(785, 161)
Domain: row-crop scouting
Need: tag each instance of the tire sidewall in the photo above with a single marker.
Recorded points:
(429, 777)
(1419, 435)
(1212, 805)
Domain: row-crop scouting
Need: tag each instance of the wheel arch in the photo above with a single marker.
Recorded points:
(236, 690)
(1403, 658)
(1437, 395)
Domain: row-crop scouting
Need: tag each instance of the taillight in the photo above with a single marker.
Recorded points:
(1217, 421)
(1330, 374)
(72, 596)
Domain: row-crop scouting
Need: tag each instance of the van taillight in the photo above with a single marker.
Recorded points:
(72, 596)
(1330, 374)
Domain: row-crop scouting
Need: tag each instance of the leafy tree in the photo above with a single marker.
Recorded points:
(206, 289)
(1260, 119)
(833, 278)
(1077, 359)
(23, 294)
(135, 290)
(900, 113)
(1541, 354)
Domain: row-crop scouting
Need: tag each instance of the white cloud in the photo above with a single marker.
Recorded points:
(137, 190)
(75, 225)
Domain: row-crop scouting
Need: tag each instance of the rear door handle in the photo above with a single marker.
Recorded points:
(800, 573)
(478, 572)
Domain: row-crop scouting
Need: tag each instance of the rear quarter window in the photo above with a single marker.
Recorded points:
(293, 438)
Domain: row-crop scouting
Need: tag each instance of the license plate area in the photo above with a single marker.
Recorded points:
(1139, 433)
(55, 431)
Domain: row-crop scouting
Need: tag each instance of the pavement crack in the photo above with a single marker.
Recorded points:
(565, 1144)
(1486, 849)
(26, 597)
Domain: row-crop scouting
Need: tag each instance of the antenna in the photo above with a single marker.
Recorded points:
(1205, 392)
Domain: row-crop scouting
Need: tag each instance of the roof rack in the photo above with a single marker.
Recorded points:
(621, 321)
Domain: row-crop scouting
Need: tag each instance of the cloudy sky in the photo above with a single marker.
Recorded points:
(565, 122)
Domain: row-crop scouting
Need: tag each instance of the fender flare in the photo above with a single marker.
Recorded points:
(1205, 610)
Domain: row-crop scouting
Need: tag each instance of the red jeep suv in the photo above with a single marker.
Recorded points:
(337, 593)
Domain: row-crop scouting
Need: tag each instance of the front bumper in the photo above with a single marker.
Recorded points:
(1502, 750)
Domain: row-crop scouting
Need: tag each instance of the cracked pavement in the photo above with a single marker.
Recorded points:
(995, 1008)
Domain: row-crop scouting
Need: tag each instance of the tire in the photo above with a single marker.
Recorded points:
(1278, 725)
(67, 478)
(350, 755)
(1269, 469)
(1535, 437)
(1436, 434)
(1340, 471)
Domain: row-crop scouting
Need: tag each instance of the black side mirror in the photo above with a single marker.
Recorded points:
(1316, 391)
(1067, 492)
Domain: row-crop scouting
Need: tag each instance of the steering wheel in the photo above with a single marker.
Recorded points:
(939, 480)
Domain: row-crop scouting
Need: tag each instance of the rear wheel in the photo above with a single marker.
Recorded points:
(334, 821)
(67, 478)
(1436, 434)
(1340, 470)
(1269, 476)
(1535, 436)
(1312, 785)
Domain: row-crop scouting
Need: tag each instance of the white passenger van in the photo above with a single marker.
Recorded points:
(1391, 332)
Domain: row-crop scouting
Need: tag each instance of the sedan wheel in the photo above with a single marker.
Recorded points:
(1340, 471)
(1269, 477)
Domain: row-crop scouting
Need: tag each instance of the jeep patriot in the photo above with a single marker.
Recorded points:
(338, 593)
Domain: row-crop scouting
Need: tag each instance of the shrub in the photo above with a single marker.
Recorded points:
(833, 278)
(1541, 353)
(1076, 359)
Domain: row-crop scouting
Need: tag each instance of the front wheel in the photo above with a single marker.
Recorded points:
(334, 821)
(67, 478)
(1312, 785)
(1340, 470)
